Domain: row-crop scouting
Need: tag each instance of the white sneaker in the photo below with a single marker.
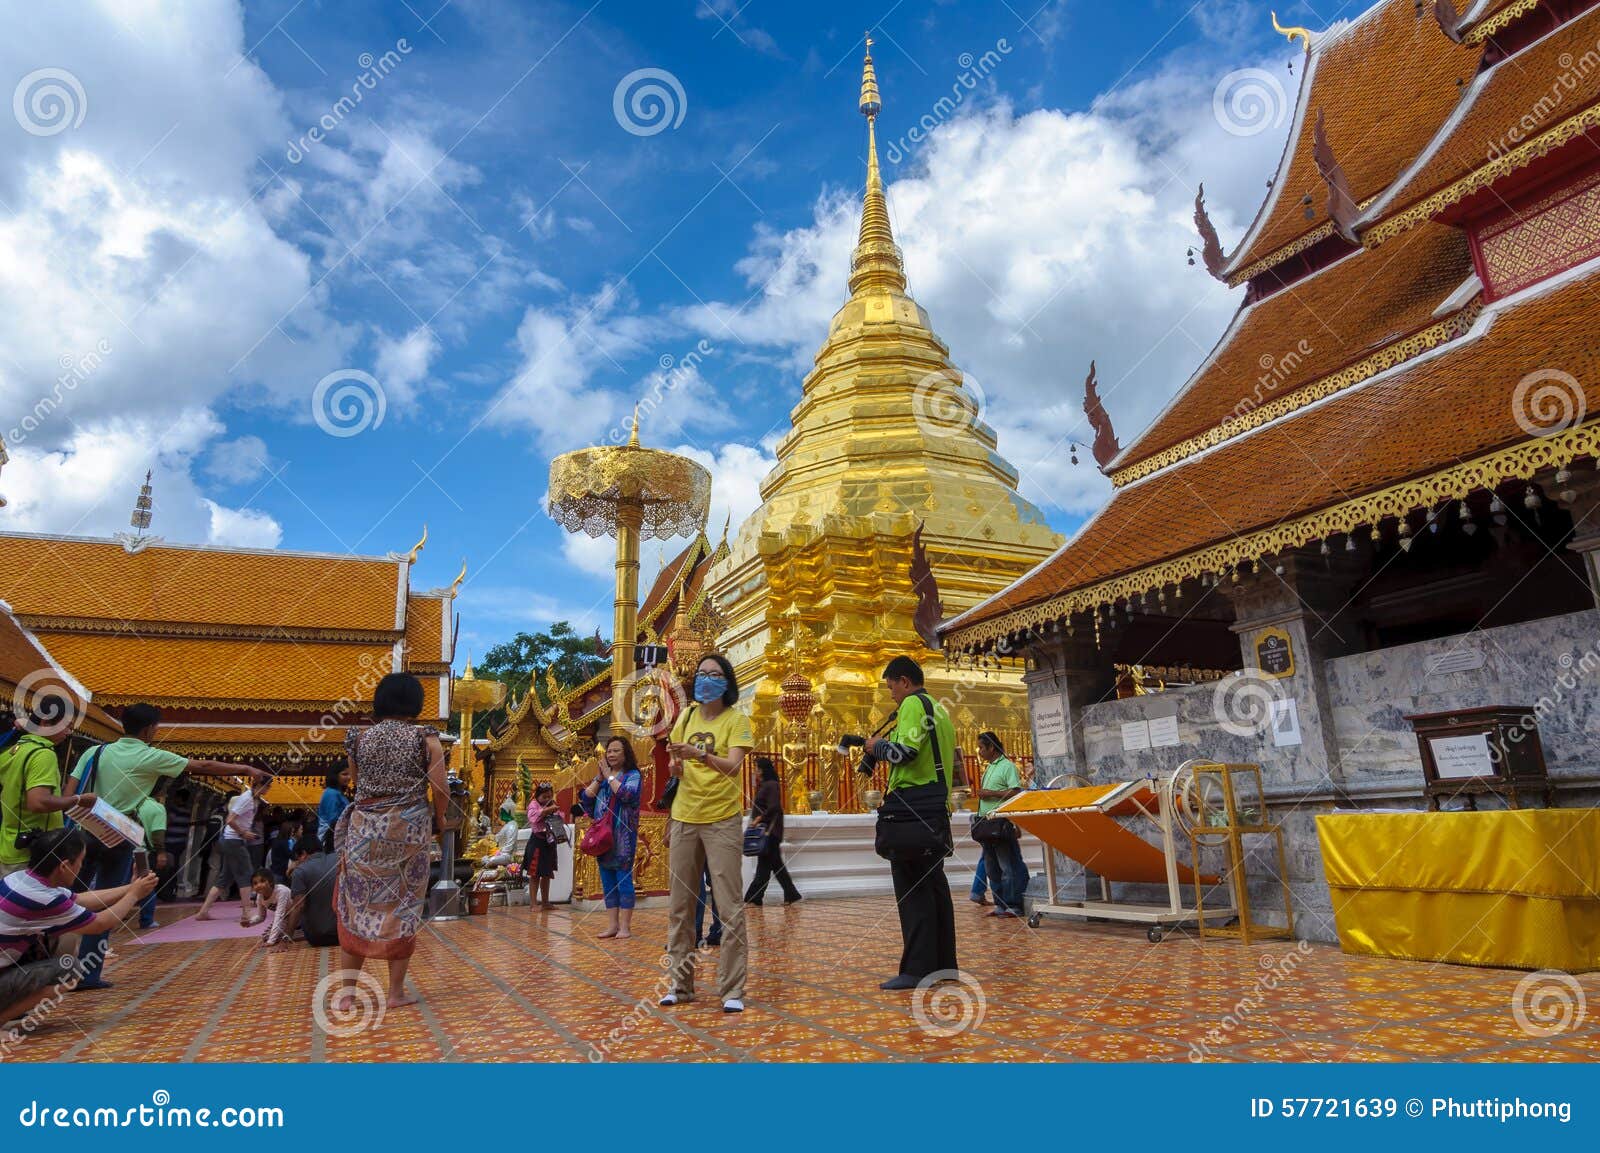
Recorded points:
(675, 999)
(733, 1005)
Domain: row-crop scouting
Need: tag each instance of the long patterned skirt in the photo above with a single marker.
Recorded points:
(383, 876)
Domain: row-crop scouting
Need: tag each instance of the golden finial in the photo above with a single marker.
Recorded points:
(411, 557)
(455, 585)
(633, 437)
(871, 105)
(1304, 34)
(469, 675)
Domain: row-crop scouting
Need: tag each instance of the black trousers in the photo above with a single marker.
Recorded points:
(927, 916)
(769, 865)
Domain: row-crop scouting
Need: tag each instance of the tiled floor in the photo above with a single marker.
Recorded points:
(525, 985)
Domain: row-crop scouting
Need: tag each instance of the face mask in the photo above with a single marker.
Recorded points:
(708, 687)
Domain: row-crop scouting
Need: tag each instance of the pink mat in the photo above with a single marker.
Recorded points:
(218, 928)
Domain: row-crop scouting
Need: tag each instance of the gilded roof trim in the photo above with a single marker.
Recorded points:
(1397, 352)
(266, 706)
(1480, 178)
(1500, 20)
(102, 626)
(1518, 462)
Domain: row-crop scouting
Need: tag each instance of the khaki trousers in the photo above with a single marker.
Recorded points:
(719, 846)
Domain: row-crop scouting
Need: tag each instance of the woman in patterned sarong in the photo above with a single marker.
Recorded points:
(386, 836)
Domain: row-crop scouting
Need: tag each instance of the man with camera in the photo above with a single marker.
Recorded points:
(914, 824)
(30, 783)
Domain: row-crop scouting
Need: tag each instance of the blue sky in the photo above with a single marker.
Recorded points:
(484, 237)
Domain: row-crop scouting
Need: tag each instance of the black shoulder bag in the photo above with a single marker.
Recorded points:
(915, 821)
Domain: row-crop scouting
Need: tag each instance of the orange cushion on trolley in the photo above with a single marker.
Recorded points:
(1098, 842)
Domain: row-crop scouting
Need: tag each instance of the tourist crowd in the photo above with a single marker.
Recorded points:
(356, 872)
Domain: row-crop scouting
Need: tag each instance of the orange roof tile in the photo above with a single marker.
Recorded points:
(1313, 328)
(212, 669)
(24, 660)
(1386, 82)
(1433, 413)
(45, 576)
(1516, 100)
(427, 637)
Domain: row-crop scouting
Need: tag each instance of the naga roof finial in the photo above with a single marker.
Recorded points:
(1342, 208)
(1105, 445)
(1303, 34)
(411, 557)
(455, 585)
(1211, 244)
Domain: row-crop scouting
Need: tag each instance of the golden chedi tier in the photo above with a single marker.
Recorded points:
(887, 437)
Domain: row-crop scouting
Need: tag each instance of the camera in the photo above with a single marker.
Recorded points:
(868, 762)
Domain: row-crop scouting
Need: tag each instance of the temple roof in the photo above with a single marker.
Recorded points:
(1330, 323)
(1250, 496)
(98, 579)
(1385, 82)
(236, 631)
(1509, 105)
(24, 660)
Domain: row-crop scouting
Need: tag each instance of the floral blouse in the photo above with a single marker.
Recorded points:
(390, 760)
(625, 828)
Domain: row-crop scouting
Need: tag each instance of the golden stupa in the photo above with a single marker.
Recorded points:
(886, 438)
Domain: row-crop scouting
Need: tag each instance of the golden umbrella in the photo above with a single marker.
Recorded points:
(631, 493)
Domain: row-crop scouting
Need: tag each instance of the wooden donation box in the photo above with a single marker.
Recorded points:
(1471, 752)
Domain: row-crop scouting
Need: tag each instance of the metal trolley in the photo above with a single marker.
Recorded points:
(1081, 823)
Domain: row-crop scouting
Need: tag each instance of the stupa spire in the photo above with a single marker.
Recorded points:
(876, 263)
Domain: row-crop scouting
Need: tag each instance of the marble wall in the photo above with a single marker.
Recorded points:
(1551, 664)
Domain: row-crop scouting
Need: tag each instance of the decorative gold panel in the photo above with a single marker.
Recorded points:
(1559, 232)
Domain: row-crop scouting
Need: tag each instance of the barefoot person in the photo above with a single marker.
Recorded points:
(616, 789)
(238, 834)
(386, 835)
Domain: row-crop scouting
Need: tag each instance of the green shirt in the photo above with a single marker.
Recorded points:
(998, 774)
(127, 770)
(912, 731)
(153, 816)
(28, 763)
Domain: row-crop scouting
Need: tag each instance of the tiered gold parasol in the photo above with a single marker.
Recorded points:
(469, 695)
(631, 493)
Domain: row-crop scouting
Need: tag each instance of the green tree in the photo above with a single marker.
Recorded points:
(520, 664)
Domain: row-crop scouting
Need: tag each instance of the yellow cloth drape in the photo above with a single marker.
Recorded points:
(1514, 888)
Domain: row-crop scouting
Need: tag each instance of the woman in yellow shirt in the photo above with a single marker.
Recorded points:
(709, 743)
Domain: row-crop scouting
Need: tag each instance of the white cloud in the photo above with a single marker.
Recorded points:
(242, 527)
(239, 461)
(403, 363)
(1038, 242)
(88, 485)
(737, 471)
